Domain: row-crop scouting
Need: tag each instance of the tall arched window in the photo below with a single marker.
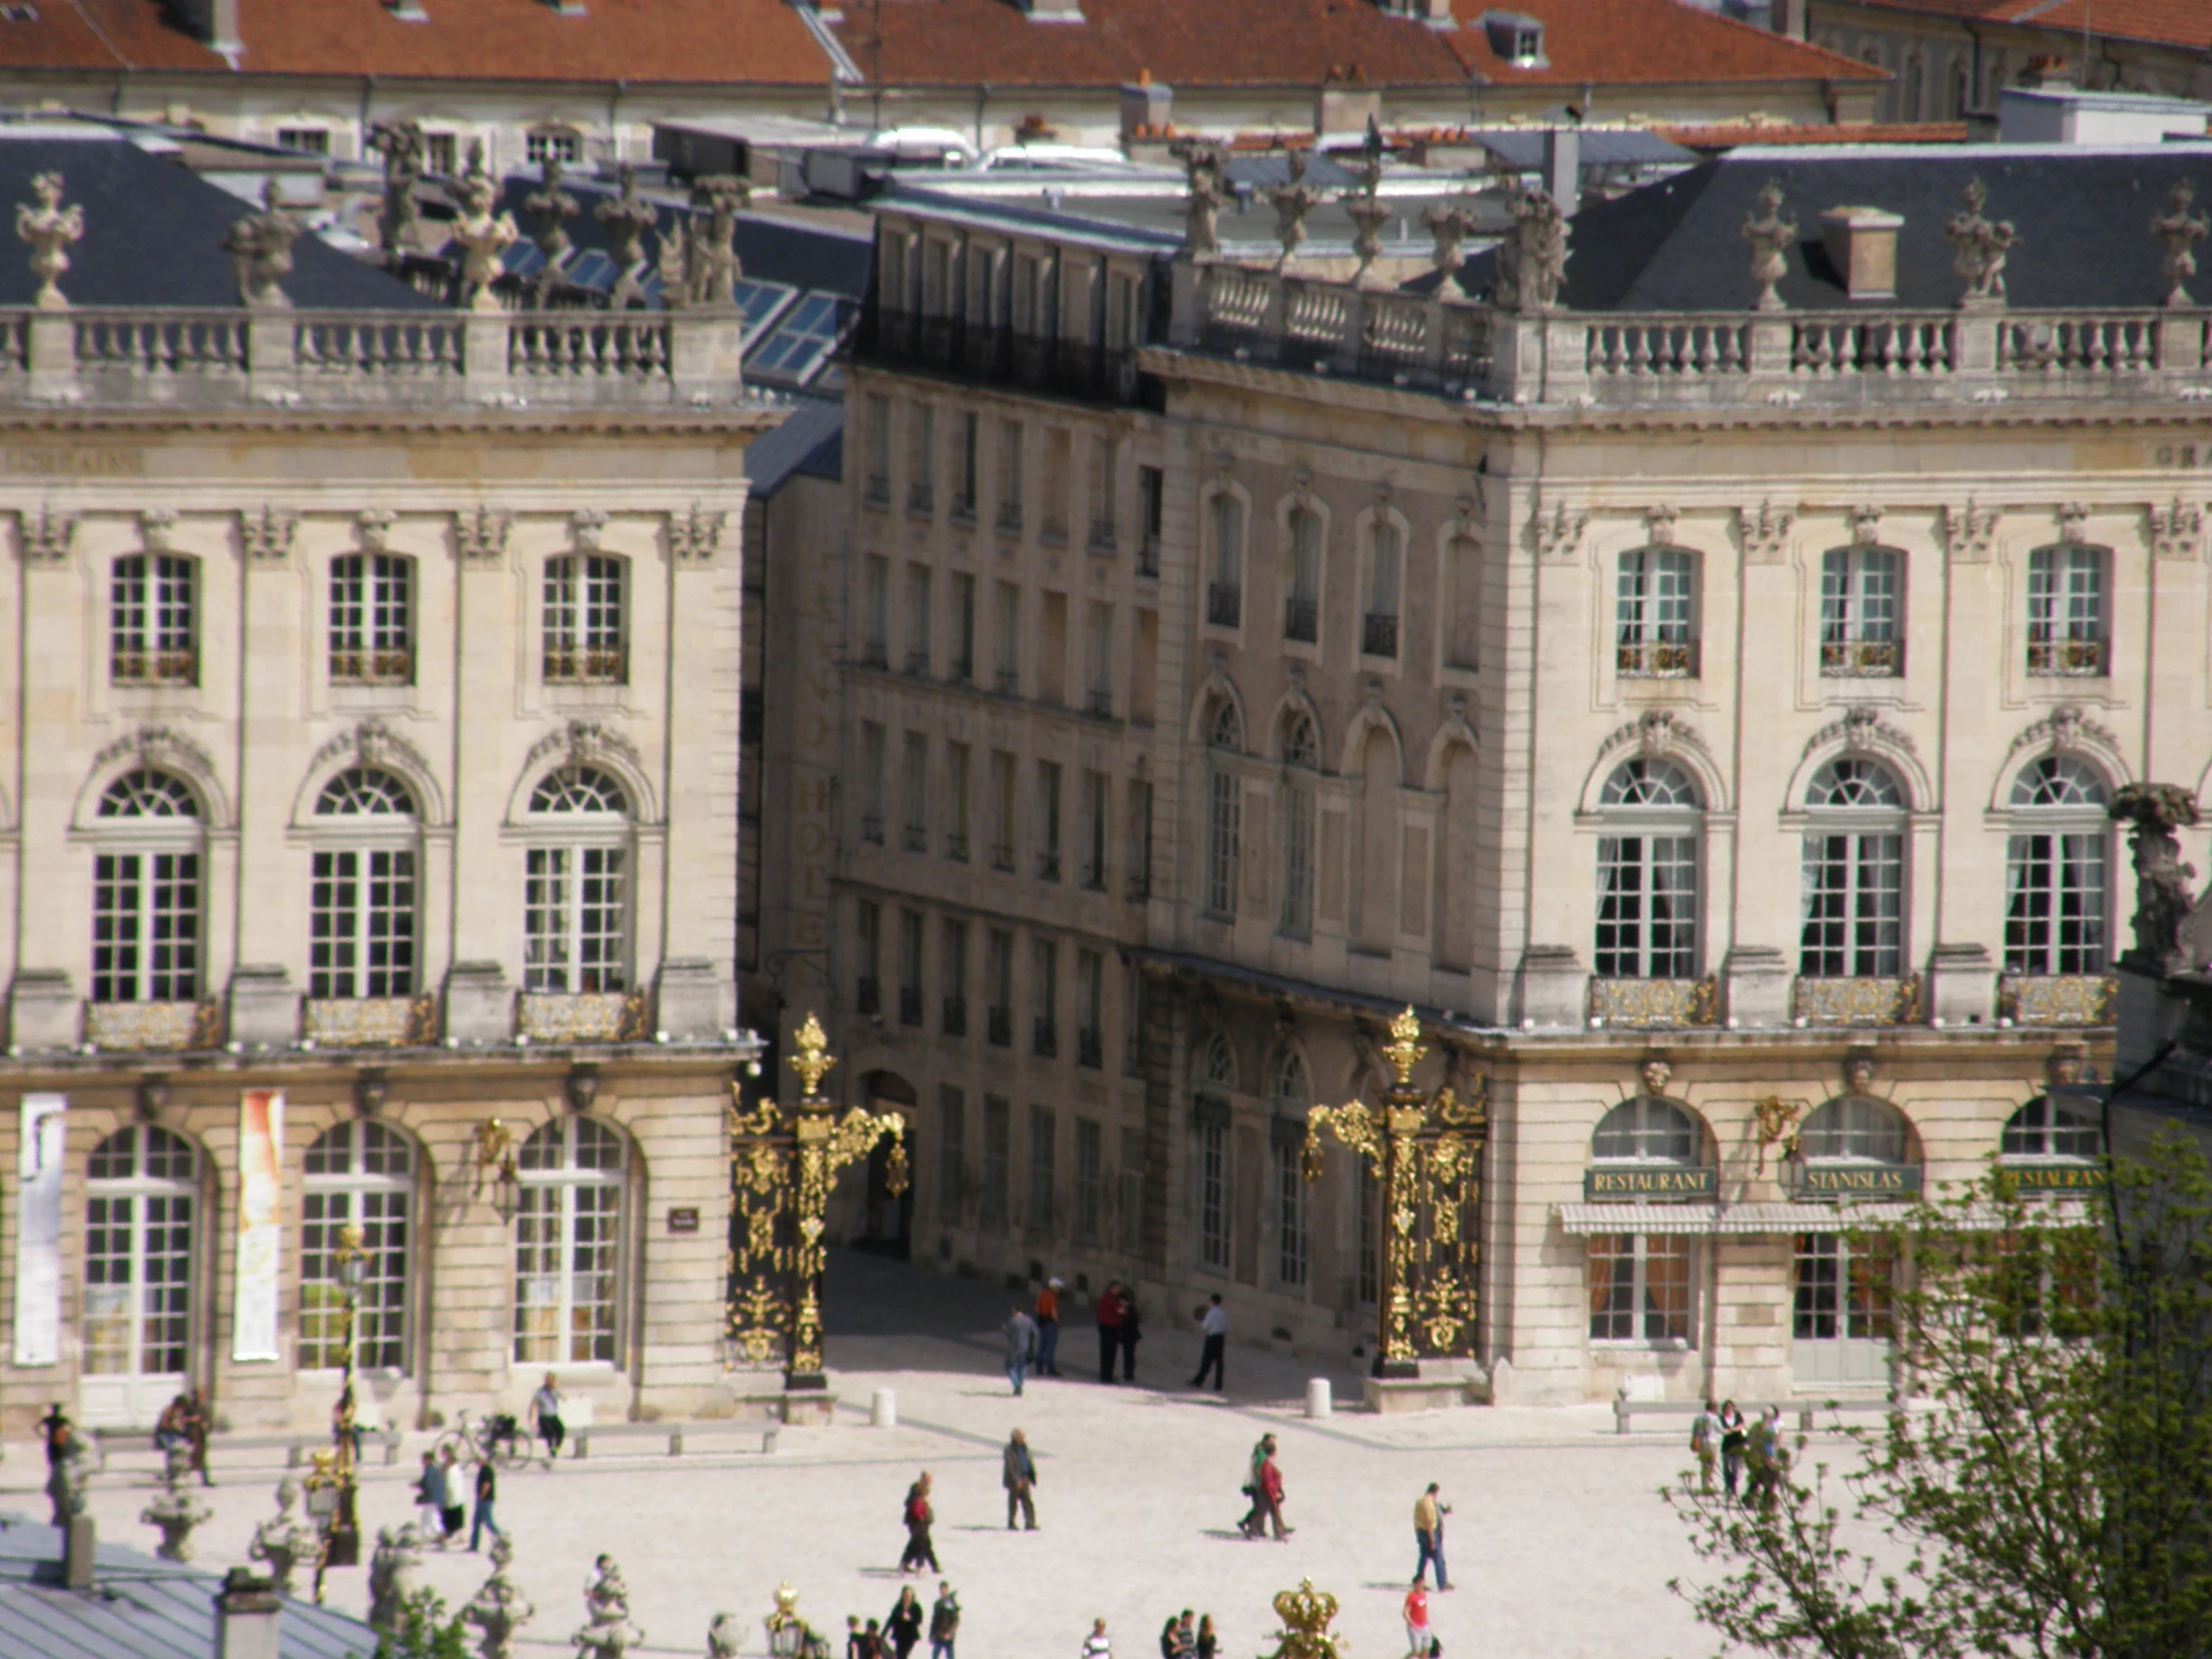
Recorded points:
(1292, 1096)
(584, 619)
(575, 915)
(1224, 743)
(359, 1174)
(373, 619)
(1647, 860)
(2057, 893)
(361, 906)
(1301, 759)
(568, 1243)
(141, 1193)
(1215, 1075)
(1853, 873)
(146, 890)
(1302, 603)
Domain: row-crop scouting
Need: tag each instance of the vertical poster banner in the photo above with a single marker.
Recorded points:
(260, 1222)
(38, 1230)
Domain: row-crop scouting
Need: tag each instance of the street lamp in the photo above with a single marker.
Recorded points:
(333, 1486)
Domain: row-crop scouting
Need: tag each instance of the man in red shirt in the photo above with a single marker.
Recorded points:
(1270, 1495)
(1109, 1328)
(1418, 1641)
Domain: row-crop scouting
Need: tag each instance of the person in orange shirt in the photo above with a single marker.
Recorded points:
(1419, 1642)
(1048, 1329)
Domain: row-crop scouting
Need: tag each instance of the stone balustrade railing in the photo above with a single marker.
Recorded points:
(151, 357)
(1462, 348)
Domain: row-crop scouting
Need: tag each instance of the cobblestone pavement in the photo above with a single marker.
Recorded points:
(1559, 1546)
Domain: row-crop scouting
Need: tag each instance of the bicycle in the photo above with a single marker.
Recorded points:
(497, 1441)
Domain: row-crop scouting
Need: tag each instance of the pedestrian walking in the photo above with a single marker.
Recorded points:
(919, 1517)
(198, 1422)
(853, 1649)
(1208, 1643)
(945, 1622)
(545, 1416)
(487, 1493)
(54, 1431)
(169, 1428)
(903, 1624)
(871, 1642)
(1251, 1488)
(1705, 1441)
(1095, 1645)
(1421, 1642)
(1167, 1640)
(1048, 1329)
(1131, 1330)
(1213, 1326)
(1765, 1458)
(1270, 1508)
(1019, 1477)
(455, 1515)
(1732, 1443)
(1108, 1315)
(1428, 1534)
(430, 1501)
(1021, 1342)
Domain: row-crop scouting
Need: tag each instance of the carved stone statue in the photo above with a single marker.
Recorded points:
(482, 235)
(1771, 237)
(713, 270)
(1448, 223)
(627, 218)
(2178, 230)
(49, 228)
(1532, 259)
(393, 1575)
(176, 1512)
(2153, 811)
(1203, 163)
(65, 1480)
(607, 1632)
(1656, 1074)
(1982, 247)
(499, 1609)
(402, 147)
(551, 206)
(1293, 200)
(285, 1541)
(260, 246)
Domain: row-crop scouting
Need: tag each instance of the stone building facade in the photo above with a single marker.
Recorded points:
(1704, 714)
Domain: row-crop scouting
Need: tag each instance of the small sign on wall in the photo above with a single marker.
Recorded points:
(682, 1220)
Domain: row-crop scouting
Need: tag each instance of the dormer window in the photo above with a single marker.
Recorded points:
(1515, 37)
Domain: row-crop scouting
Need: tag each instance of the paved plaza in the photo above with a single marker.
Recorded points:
(1558, 1544)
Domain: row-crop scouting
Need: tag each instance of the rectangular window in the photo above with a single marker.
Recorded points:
(868, 952)
(146, 928)
(1049, 819)
(998, 1159)
(1225, 589)
(361, 923)
(1098, 661)
(1386, 557)
(1302, 606)
(1221, 840)
(1043, 1177)
(960, 763)
(1103, 473)
(1290, 1215)
(918, 793)
(875, 611)
(308, 141)
(1647, 908)
(553, 144)
(1213, 1195)
(1096, 799)
(909, 967)
(998, 986)
(1053, 664)
(951, 1152)
(1639, 1287)
(876, 426)
(1854, 906)
(952, 965)
(1151, 516)
(1462, 603)
(921, 459)
(1009, 475)
(1057, 481)
(870, 791)
(1654, 614)
(441, 154)
(1297, 915)
(1140, 840)
(1009, 665)
(919, 595)
(2055, 903)
(1136, 999)
(370, 601)
(1002, 809)
(2065, 611)
(961, 671)
(1090, 1180)
(964, 505)
(1861, 592)
(153, 631)
(1090, 1000)
(583, 620)
(1045, 998)
(1131, 1225)
(573, 920)
(1843, 1294)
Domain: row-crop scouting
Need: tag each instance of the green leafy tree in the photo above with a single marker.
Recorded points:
(425, 1631)
(2050, 1493)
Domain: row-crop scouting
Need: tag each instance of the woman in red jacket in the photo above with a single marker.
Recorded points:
(1109, 1330)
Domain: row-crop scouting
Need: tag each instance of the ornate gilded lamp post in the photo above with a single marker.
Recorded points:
(1426, 1153)
(333, 1485)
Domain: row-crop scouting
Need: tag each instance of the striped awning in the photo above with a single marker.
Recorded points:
(1582, 1220)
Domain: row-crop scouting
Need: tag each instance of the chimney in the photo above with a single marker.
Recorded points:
(1344, 107)
(1563, 167)
(214, 24)
(1145, 107)
(76, 1553)
(1861, 244)
(1052, 11)
(248, 1615)
(1788, 18)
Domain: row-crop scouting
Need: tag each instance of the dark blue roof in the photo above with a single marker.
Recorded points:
(810, 443)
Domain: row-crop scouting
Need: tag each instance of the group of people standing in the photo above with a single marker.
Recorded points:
(1718, 1435)
(1033, 1336)
(899, 1632)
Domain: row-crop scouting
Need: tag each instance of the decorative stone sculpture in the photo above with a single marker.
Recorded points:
(1449, 224)
(2153, 811)
(392, 1575)
(49, 228)
(260, 246)
(627, 218)
(722, 1637)
(482, 235)
(285, 1541)
(713, 268)
(65, 1481)
(1207, 190)
(1982, 245)
(1369, 215)
(2178, 232)
(499, 1609)
(176, 1512)
(1293, 200)
(551, 205)
(1532, 259)
(402, 147)
(607, 1632)
(1771, 237)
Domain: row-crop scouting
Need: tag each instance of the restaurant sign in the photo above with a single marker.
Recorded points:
(1628, 1184)
(2055, 1178)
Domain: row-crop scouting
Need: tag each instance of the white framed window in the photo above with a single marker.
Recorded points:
(575, 906)
(1655, 614)
(1225, 525)
(361, 900)
(1647, 911)
(1301, 764)
(1855, 1129)
(142, 1190)
(359, 1174)
(2066, 610)
(371, 618)
(146, 894)
(308, 141)
(553, 144)
(153, 621)
(1292, 1095)
(568, 1243)
(583, 620)
(2057, 899)
(1640, 1287)
(1853, 873)
(1844, 1291)
(1223, 742)
(1302, 605)
(1862, 599)
(2052, 1131)
(1646, 1130)
(1385, 570)
(1216, 1077)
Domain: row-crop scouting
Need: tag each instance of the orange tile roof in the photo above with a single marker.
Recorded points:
(1624, 42)
(1729, 135)
(713, 42)
(2184, 23)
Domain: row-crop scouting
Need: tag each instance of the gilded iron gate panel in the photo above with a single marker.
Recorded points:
(763, 1233)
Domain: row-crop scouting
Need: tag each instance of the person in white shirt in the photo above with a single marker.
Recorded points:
(1214, 1325)
(545, 1410)
(1095, 1645)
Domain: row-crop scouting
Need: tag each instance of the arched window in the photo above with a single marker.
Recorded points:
(152, 622)
(361, 905)
(1223, 742)
(1216, 1073)
(1385, 572)
(2051, 1130)
(141, 1191)
(146, 890)
(584, 619)
(1646, 1130)
(373, 619)
(1226, 530)
(1647, 913)
(1640, 1285)
(1855, 1129)
(359, 1174)
(1301, 756)
(1854, 873)
(2057, 886)
(575, 916)
(1217, 1069)
(568, 1243)
(1302, 600)
(1290, 1095)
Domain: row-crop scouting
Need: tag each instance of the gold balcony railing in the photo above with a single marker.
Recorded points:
(128, 1027)
(1652, 1004)
(2057, 998)
(1857, 1001)
(371, 1021)
(590, 1016)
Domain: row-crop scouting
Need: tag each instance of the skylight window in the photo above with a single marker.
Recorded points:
(760, 302)
(807, 335)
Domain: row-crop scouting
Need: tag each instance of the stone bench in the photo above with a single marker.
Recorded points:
(297, 1448)
(672, 1432)
(1804, 1409)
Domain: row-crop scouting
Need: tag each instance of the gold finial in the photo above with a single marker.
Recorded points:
(1404, 1049)
(812, 1061)
(1306, 1614)
(350, 1238)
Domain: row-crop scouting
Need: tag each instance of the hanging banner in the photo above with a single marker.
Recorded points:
(260, 1222)
(38, 1230)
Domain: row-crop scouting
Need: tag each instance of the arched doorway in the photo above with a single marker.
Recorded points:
(142, 1197)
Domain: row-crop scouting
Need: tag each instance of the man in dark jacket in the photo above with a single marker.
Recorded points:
(1020, 1478)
